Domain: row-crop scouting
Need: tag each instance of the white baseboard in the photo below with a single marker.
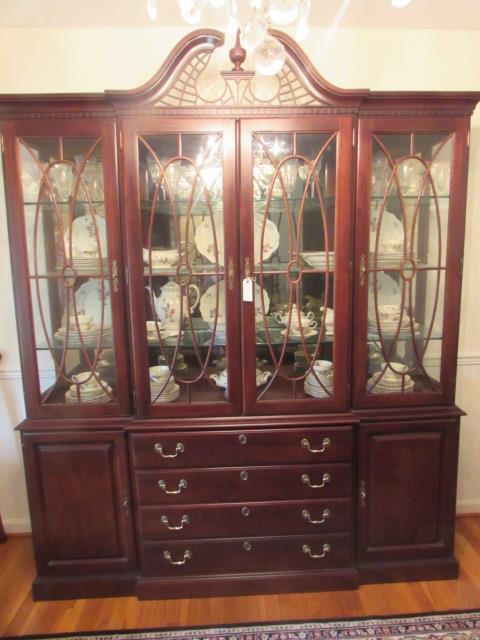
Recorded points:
(17, 525)
(468, 506)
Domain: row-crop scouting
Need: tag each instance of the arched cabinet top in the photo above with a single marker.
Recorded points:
(195, 78)
(190, 78)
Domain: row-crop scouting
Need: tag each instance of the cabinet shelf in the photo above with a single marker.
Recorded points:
(62, 203)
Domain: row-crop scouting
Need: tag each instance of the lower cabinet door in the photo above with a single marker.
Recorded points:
(406, 490)
(79, 502)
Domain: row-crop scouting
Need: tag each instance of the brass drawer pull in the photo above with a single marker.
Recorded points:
(325, 549)
(325, 480)
(181, 485)
(326, 442)
(184, 520)
(180, 448)
(186, 556)
(325, 515)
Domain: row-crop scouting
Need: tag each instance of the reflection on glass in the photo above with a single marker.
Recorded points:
(62, 182)
(181, 193)
(409, 208)
(294, 186)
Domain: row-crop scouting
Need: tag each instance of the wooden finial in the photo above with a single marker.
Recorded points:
(238, 54)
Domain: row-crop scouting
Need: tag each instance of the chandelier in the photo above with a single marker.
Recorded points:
(268, 54)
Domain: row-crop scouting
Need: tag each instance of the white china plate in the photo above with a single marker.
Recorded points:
(88, 299)
(390, 234)
(84, 238)
(208, 304)
(204, 239)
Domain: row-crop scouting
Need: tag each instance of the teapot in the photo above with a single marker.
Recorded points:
(167, 304)
(306, 319)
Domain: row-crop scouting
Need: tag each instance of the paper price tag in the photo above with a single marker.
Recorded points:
(247, 290)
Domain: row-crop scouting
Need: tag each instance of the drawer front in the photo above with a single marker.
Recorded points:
(235, 448)
(243, 484)
(200, 557)
(251, 519)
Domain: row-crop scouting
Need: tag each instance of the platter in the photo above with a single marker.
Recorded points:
(205, 239)
(209, 298)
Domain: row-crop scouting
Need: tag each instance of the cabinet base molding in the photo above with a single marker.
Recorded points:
(409, 571)
(247, 584)
(95, 586)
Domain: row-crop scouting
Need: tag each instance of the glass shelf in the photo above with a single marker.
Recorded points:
(57, 345)
(197, 269)
(420, 334)
(63, 203)
(410, 198)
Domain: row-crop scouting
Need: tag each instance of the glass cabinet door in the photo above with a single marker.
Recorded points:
(183, 261)
(64, 213)
(295, 245)
(408, 280)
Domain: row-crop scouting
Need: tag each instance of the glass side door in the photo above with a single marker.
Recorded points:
(411, 202)
(296, 235)
(66, 256)
(182, 251)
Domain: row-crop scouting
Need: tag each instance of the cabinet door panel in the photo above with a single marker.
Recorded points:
(64, 223)
(407, 490)
(182, 254)
(296, 234)
(79, 499)
(411, 209)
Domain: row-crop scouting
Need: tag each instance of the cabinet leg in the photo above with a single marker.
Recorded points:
(3, 535)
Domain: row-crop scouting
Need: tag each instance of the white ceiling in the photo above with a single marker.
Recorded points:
(423, 14)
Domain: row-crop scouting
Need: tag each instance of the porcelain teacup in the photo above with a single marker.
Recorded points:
(159, 373)
(87, 379)
(84, 322)
(323, 367)
(395, 370)
(389, 312)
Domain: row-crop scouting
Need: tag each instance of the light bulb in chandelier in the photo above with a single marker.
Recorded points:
(254, 32)
(269, 57)
(217, 3)
(152, 9)
(301, 29)
(283, 12)
(399, 4)
(192, 10)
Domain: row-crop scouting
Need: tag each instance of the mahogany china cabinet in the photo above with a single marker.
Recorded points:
(238, 304)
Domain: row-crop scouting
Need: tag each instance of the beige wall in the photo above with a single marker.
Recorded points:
(62, 60)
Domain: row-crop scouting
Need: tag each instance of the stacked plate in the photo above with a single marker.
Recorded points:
(390, 327)
(169, 393)
(89, 336)
(160, 389)
(318, 259)
(390, 259)
(388, 381)
(90, 265)
(323, 376)
(96, 391)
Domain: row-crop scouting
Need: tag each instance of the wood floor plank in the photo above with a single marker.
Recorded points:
(19, 615)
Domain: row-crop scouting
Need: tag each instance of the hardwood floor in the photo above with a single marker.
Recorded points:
(19, 615)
